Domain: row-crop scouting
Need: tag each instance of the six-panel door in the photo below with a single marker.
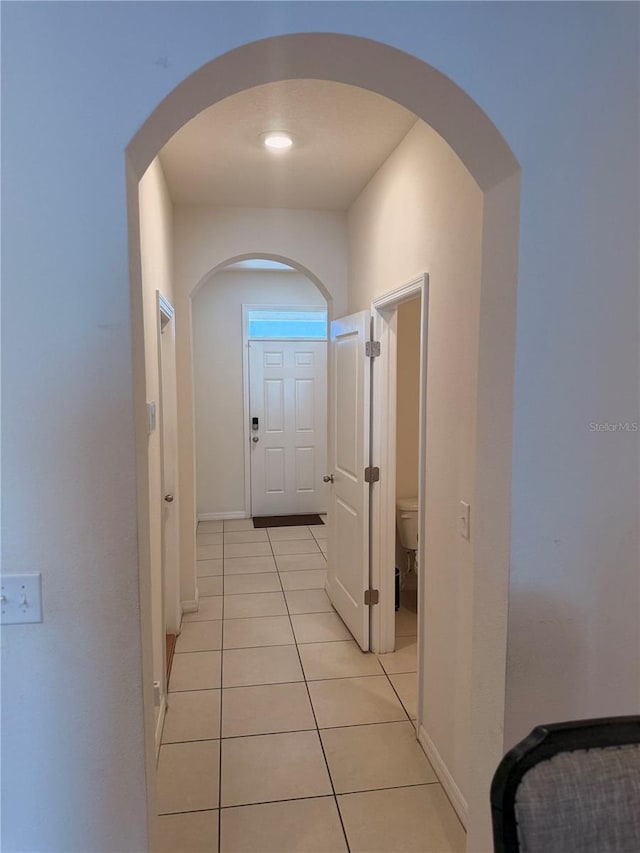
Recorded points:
(348, 555)
(288, 396)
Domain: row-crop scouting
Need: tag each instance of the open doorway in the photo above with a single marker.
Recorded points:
(493, 281)
(260, 376)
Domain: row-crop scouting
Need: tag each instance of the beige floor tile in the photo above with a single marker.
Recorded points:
(192, 716)
(261, 631)
(193, 832)
(209, 552)
(200, 637)
(249, 565)
(354, 701)
(209, 539)
(405, 657)
(319, 531)
(195, 671)
(238, 524)
(209, 527)
(308, 601)
(266, 709)
(406, 686)
(187, 776)
(239, 537)
(283, 534)
(210, 586)
(406, 623)
(315, 579)
(243, 584)
(273, 767)
(269, 665)
(405, 820)
(295, 826)
(319, 628)
(208, 568)
(295, 546)
(363, 758)
(248, 549)
(337, 660)
(255, 604)
(300, 562)
(209, 607)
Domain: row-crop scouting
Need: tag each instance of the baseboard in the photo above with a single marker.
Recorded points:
(192, 605)
(221, 516)
(160, 724)
(444, 776)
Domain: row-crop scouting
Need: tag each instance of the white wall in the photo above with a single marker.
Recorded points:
(422, 211)
(208, 237)
(218, 375)
(73, 763)
(408, 398)
(157, 265)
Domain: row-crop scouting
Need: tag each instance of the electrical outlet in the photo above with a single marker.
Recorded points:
(464, 520)
(20, 599)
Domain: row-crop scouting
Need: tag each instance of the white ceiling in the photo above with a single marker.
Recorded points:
(342, 134)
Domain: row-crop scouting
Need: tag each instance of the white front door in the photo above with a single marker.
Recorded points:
(288, 426)
(349, 438)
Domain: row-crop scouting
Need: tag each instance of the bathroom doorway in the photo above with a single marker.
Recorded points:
(398, 446)
(407, 565)
(398, 440)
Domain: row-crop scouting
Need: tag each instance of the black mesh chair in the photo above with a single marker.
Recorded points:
(570, 788)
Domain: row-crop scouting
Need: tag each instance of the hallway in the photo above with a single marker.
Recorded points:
(281, 735)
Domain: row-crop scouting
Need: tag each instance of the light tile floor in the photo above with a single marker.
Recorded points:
(281, 736)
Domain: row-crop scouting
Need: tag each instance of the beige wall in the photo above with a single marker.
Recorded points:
(157, 261)
(208, 237)
(422, 211)
(218, 375)
(573, 127)
(408, 398)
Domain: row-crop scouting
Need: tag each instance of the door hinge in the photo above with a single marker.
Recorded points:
(371, 474)
(371, 596)
(372, 349)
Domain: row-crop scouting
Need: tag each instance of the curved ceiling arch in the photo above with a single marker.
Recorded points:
(353, 60)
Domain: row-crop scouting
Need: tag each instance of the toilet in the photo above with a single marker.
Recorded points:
(407, 523)
(407, 527)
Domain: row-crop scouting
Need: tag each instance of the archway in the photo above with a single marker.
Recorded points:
(470, 133)
(227, 462)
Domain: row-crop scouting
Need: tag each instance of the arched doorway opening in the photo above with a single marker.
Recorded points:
(230, 467)
(469, 132)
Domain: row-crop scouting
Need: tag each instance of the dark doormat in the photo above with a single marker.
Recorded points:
(286, 520)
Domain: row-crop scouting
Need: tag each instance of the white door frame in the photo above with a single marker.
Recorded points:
(245, 385)
(383, 451)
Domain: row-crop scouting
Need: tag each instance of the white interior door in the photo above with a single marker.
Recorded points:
(349, 438)
(169, 461)
(288, 435)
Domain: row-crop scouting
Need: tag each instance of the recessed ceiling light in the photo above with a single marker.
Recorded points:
(277, 140)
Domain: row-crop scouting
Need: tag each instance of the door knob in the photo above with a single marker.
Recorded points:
(168, 499)
(254, 438)
(328, 478)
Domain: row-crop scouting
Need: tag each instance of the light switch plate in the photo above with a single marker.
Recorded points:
(464, 520)
(21, 599)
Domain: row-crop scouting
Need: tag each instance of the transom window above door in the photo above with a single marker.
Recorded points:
(277, 323)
